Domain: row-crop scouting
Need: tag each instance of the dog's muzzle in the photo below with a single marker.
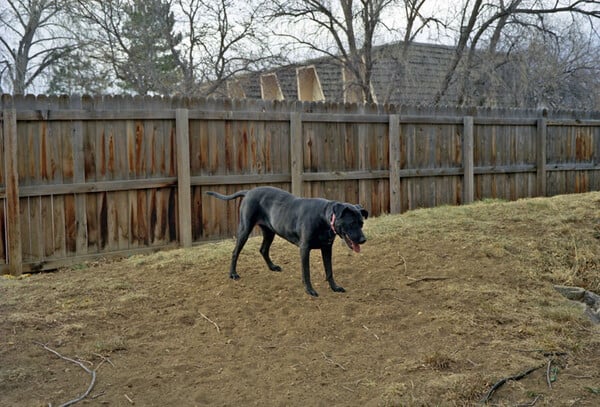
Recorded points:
(354, 246)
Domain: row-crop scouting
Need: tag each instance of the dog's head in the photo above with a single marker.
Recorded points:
(347, 222)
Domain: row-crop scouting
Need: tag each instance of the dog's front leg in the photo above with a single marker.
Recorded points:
(305, 257)
(326, 253)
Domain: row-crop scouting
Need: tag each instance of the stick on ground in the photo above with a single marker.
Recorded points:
(496, 386)
(548, 369)
(333, 362)
(212, 322)
(427, 279)
(92, 373)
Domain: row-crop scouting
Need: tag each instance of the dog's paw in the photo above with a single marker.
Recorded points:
(338, 289)
(311, 291)
(274, 267)
(234, 276)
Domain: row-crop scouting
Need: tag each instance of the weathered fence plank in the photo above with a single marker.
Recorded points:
(11, 181)
(297, 157)
(183, 178)
(395, 164)
(467, 155)
(541, 159)
(81, 238)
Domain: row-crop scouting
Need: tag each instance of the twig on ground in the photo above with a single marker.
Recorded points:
(327, 358)
(92, 373)
(404, 262)
(548, 378)
(548, 353)
(544, 352)
(104, 359)
(374, 334)
(212, 322)
(496, 386)
(418, 280)
(128, 399)
(95, 396)
(471, 362)
(532, 403)
(82, 360)
(392, 289)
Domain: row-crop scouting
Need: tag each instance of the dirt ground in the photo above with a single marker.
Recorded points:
(441, 304)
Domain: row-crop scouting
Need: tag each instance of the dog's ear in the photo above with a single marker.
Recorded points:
(338, 209)
(363, 211)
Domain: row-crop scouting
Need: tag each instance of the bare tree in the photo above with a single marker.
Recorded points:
(188, 47)
(349, 27)
(33, 39)
(221, 38)
(488, 21)
(416, 20)
(556, 71)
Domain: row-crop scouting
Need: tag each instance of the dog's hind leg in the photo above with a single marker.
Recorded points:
(326, 253)
(244, 230)
(268, 236)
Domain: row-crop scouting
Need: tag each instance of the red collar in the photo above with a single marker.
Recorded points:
(332, 223)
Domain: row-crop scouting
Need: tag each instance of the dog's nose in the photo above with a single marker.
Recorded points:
(361, 240)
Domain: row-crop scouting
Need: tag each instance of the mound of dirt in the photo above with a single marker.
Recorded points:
(441, 305)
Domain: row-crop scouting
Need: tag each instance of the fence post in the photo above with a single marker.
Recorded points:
(542, 132)
(296, 152)
(184, 193)
(14, 255)
(394, 142)
(469, 175)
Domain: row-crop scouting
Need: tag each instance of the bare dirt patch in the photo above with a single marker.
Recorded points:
(440, 305)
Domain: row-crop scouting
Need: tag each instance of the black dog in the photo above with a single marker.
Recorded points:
(309, 223)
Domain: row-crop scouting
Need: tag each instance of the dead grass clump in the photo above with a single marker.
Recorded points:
(110, 344)
(73, 329)
(13, 374)
(133, 297)
(203, 253)
(439, 361)
(468, 390)
(564, 313)
(394, 395)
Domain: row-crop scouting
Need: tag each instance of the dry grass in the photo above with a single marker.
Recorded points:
(561, 236)
(441, 304)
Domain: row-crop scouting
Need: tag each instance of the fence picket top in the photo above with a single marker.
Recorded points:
(37, 102)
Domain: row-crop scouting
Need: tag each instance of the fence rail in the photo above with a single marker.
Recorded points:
(83, 177)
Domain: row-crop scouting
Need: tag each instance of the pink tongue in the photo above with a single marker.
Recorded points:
(356, 247)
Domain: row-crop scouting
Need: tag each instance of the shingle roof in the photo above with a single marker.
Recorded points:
(415, 79)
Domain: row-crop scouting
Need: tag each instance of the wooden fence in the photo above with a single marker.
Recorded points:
(84, 177)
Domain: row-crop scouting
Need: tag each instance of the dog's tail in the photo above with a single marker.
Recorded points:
(238, 194)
